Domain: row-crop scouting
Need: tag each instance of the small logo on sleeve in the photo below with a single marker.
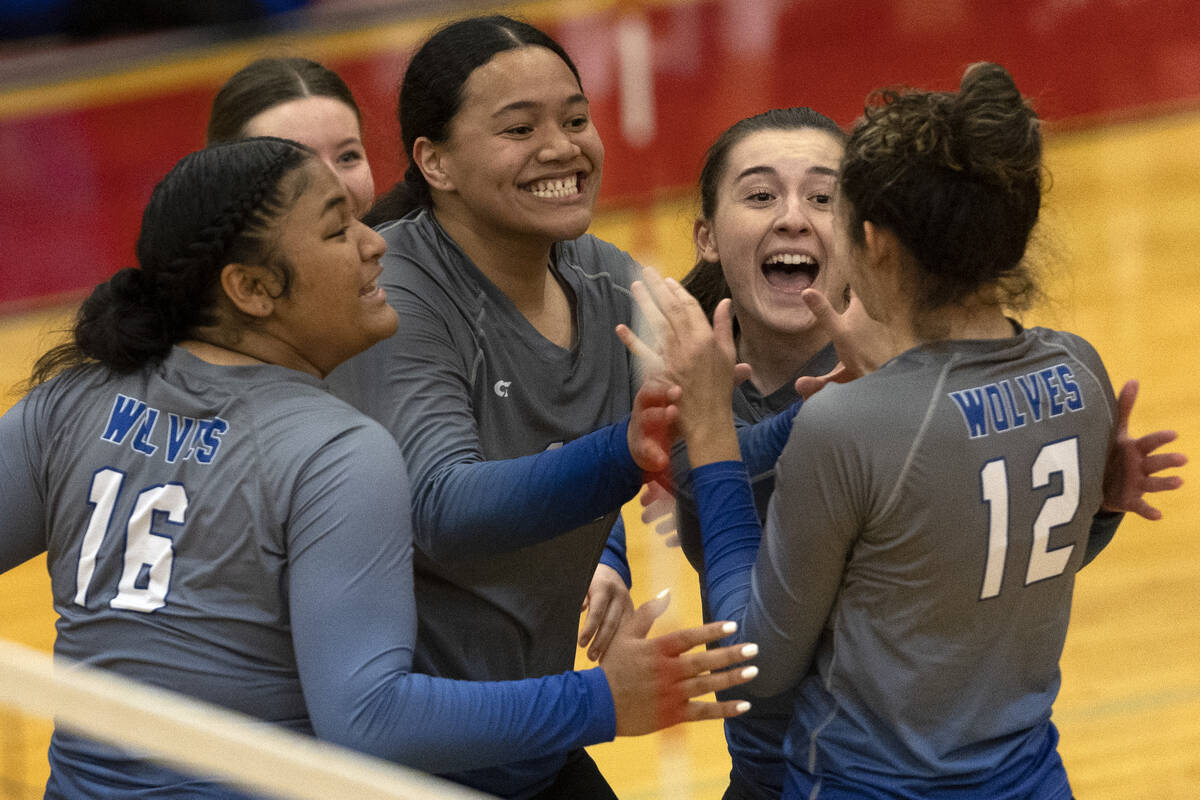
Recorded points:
(501, 388)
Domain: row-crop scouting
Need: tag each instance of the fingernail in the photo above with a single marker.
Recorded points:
(662, 594)
(749, 672)
(729, 627)
(742, 707)
(750, 650)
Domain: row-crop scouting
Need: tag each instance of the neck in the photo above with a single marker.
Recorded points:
(249, 349)
(776, 358)
(520, 268)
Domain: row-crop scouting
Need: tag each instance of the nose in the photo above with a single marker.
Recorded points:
(793, 216)
(370, 245)
(558, 145)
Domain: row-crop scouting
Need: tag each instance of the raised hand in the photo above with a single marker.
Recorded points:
(862, 344)
(1132, 466)
(693, 355)
(654, 680)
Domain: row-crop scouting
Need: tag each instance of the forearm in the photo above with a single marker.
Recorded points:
(480, 507)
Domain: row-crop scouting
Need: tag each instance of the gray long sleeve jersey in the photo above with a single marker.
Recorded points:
(241, 535)
(917, 567)
(473, 393)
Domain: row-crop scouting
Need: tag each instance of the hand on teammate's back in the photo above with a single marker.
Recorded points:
(607, 602)
(654, 680)
(1130, 471)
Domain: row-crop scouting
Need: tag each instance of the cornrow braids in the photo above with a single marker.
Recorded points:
(215, 207)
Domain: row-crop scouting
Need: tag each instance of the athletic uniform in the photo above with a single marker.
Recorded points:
(917, 567)
(239, 534)
(516, 451)
(755, 739)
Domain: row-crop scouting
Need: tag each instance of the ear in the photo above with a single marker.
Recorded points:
(882, 248)
(251, 288)
(706, 241)
(430, 159)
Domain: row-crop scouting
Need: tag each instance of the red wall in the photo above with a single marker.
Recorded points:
(72, 183)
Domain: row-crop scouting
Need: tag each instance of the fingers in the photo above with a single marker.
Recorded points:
(681, 641)
(716, 681)
(1125, 405)
(717, 659)
(640, 350)
(729, 708)
(828, 318)
(643, 618)
(610, 621)
(1152, 441)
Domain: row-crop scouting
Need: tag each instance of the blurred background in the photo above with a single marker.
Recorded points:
(98, 98)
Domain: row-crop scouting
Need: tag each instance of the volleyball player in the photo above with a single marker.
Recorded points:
(919, 553)
(217, 523)
(301, 100)
(504, 385)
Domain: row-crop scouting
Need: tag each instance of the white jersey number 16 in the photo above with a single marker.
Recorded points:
(146, 574)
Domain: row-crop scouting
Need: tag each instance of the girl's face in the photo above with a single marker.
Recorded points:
(330, 128)
(772, 231)
(523, 159)
(334, 308)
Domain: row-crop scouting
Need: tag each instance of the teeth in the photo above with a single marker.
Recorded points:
(792, 259)
(558, 187)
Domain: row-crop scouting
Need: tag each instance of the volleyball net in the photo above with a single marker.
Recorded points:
(182, 733)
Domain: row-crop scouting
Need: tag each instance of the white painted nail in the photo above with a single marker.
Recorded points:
(750, 650)
(662, 594)
(749, 672)
(742, 707)
(729, 627)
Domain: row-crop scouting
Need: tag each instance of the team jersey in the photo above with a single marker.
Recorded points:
(512, 502)
(917, 567)
(241, 535)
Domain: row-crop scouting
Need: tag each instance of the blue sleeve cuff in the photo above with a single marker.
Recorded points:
(602, 722)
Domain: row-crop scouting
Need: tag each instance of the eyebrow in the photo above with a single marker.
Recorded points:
(765, 170)
(524, 105)
(333, 202)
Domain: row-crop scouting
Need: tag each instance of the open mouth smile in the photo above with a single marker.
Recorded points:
(791, 272)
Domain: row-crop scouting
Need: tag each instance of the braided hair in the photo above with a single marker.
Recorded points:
(215, 207)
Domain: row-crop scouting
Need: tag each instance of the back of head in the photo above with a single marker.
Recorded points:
(706, 281)
(431, 93)
(266, 83)
(957, 176)
(215, 207)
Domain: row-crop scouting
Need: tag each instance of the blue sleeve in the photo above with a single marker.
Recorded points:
(417, 384)
(354, 623)
(481, 507)
(760, 444)
(614, 552)
(731, 534)
(1104, 528)
(21, 498)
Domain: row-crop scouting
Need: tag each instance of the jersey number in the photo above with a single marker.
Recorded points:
(146, 574)
(1061, 457)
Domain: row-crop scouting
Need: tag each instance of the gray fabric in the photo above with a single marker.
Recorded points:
(873, 558)
(466, 378)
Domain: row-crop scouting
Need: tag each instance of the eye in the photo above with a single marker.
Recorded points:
(822, 199)
(519, 130)
(340, 233)
(760, 197)
(578, 123)
(350, 157)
